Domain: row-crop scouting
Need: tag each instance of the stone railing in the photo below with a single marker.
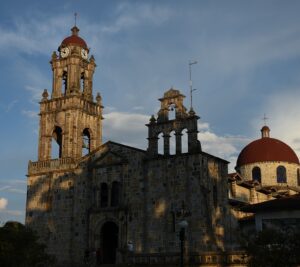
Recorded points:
(229, 259)
(70, 102)
(50, 165)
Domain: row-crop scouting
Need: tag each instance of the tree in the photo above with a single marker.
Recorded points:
(274, 248)
(19, 247)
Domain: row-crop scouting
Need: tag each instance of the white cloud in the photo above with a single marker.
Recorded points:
(30, 113)
(129, 128)
(8, 107)
(224, 146)
(3, 203)
(283, 110)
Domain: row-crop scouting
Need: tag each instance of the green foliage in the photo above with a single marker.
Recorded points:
(19, 247)
(273, 248)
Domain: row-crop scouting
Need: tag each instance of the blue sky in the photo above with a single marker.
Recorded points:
(248, 55)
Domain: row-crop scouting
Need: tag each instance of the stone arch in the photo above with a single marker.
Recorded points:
(184, 140)
(64, 82)
(109, 242)
(281, 174)
(160, 143)
(172, 111)
(56, 142)
(256, 174)
(172, 142)
(86, 141)
(96, 239)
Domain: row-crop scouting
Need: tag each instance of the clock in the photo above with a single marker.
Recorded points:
(64, 52)
(84, 53)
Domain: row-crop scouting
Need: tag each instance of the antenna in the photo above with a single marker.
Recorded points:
(191, 83)
(75, 17)
(265, 119)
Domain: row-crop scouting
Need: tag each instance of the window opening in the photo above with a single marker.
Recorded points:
(160, 143)
(104, 195)
(172, 112)
(184, 141)
(281, 174)
(86, 140)
(56, 145)
(65, 82)
(172, 143)
(256, 174)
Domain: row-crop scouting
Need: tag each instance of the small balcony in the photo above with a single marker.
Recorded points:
(50, 165)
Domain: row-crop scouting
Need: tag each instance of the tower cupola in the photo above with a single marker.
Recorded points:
(69, 118)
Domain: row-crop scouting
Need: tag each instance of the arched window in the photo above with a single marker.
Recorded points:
(184, 141)
(172, 143)
(115, 194)
(56, 145)
(160, 143)
(298, 177)
(256, 174)
(281, 174)
(104, 195)
(86, 142)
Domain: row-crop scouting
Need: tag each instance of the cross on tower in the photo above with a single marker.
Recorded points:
(265, 119)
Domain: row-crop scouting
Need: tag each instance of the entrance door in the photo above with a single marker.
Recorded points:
(109, 238)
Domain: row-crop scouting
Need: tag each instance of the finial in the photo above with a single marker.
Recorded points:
(45, 95)
(98, 99)
(152, 119)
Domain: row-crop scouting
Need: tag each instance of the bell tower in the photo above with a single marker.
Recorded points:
(163, 124)
(70, 119)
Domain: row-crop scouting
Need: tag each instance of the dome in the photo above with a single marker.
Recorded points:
(266, 149)
(74, 39)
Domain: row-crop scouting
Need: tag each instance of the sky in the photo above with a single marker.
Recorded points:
(248, 55)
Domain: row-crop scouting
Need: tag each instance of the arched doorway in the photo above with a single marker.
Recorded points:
(109, 241)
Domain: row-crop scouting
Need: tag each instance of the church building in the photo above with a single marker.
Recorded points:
(123, 202)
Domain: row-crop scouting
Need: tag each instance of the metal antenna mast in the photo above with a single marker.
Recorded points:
(191, 83)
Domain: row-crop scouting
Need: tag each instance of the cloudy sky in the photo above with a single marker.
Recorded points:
(248, 55)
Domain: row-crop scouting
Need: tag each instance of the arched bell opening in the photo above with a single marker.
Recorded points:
(184, 141)
(172, 112)
(56, 144)
(64, 82)
(160, 144)
(86, 142)
(172, 143)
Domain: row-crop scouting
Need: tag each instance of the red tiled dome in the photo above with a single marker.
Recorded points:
(74, 39)
(266, 149)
